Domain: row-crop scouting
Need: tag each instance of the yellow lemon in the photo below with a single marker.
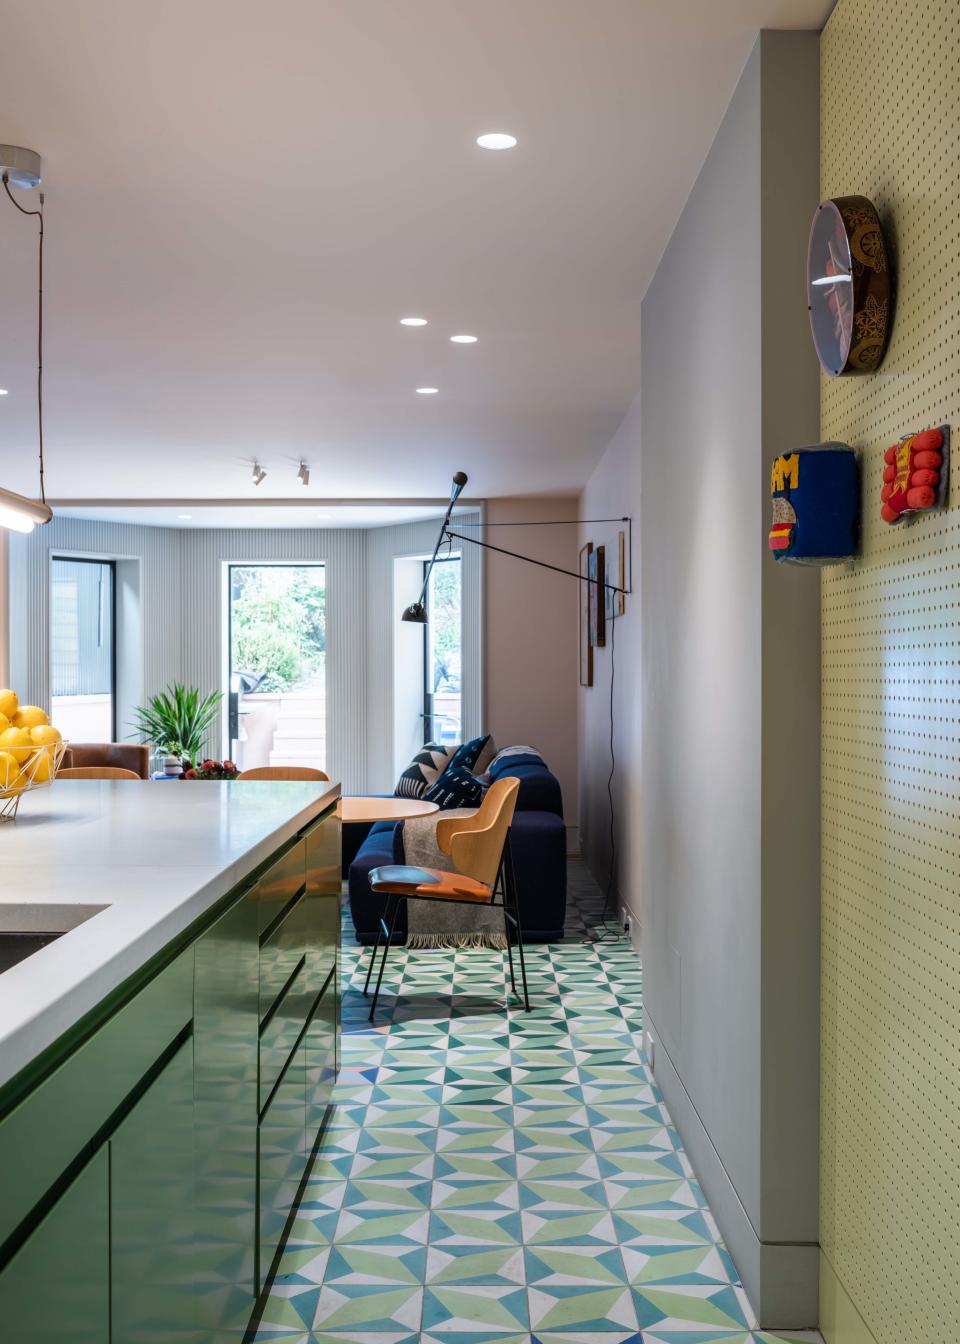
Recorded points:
(44, 734)
(29, 716)
(39, 768)
(4, 723)
(18, 742)
(9, 704)
(9, 770)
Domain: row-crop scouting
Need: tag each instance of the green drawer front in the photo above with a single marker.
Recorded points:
(323, 889)
(281, 1033)
(281, 953)
(226, 1059)
(57, 1286)
(321, 1059)
(154, 1255)
(280, 884)
(283, 1158)
(40, 1138)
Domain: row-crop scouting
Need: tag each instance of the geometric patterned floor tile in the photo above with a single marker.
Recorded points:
(498, 1177)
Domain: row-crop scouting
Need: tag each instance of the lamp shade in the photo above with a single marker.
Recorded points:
(416, 613)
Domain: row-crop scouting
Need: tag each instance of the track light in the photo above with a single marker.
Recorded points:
(304, 474)
(21, 514)
(258, 473)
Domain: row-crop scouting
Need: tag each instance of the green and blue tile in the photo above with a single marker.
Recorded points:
(495, 1177)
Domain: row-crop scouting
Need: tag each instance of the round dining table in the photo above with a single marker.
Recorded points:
(368, 810)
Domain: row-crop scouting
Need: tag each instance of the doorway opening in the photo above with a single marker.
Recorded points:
(442, 653)
(83, 651)
(276, 664)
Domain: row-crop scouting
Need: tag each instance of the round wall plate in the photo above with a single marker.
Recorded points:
(848, 286)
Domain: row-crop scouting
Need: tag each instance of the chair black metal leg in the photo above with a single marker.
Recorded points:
(511, 886)
(506, 931)
(386, 949)
(376, 947)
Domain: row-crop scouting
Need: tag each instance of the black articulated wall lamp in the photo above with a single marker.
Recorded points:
(417, 611)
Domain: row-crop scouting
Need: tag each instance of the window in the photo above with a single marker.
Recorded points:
(277, 668)
(442, 717)
(83, 649)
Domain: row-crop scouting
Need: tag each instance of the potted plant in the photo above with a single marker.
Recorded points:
(178, 721)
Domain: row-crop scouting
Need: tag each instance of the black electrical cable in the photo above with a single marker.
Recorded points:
(39, 215)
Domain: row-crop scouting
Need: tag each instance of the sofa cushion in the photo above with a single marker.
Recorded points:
(425, 768)
(475, 755)
(456, 787)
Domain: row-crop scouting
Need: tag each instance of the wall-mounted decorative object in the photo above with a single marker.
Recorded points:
(615, 598)
(598, 612)
(815, 493)
(848, 286)
(586, 603)
(915, 476)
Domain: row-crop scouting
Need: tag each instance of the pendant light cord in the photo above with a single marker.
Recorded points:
(39, 215)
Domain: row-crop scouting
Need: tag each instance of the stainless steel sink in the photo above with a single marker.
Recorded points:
(28, 928)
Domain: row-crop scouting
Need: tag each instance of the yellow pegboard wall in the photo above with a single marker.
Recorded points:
(890, 1172)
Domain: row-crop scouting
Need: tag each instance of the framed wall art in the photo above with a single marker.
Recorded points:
(586, 603)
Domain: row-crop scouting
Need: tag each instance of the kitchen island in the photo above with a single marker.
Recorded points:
(168, 1043)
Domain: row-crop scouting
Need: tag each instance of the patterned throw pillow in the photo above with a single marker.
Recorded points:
(425, 768)
(456, 787)
(474, 755)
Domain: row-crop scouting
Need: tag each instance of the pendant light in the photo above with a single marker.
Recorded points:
(21, 168)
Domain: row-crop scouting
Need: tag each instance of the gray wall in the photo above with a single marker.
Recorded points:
(181, 577)
(718, 812)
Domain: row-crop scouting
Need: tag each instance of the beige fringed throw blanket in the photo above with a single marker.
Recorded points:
(441, 923)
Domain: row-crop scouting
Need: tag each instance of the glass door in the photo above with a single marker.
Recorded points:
(442, 653)
(276, 690)
(83, 649)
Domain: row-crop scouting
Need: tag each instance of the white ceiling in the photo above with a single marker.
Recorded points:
(316, 515)
(243, 198)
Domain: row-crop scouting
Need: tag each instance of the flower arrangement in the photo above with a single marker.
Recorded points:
(210, 769)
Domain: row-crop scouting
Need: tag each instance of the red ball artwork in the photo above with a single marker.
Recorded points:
(915, 474)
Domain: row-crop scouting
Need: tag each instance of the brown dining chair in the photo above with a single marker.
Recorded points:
(479, 848)
(283, 772)
(120, 755)
(96, 772)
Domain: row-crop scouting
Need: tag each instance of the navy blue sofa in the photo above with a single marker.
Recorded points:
(538, 840)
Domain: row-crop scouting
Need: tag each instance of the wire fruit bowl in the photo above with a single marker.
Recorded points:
(38, 771)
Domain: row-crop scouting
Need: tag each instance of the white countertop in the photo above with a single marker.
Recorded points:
(143, 859)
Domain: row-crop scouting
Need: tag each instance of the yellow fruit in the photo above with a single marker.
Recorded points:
(44, 734)
(9, 770)
(18, 742)
(9, 704)
(29, 716)
(39, 768)
(4, 723)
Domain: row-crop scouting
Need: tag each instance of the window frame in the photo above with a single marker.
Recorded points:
(111, 565)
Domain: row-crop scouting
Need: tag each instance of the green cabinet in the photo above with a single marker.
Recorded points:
(189, 1114)
(283, 1156)
(57, 1285)
(152, 1212)
(225, 1120)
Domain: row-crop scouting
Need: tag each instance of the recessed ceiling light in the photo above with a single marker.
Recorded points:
(464, 339)
(428, 391)
(413, 321)
(496, 140)
(184, 515)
